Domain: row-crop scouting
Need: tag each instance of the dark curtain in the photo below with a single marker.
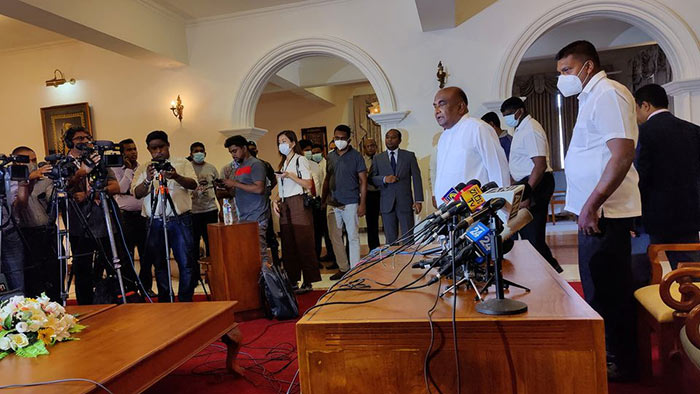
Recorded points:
(540, 92)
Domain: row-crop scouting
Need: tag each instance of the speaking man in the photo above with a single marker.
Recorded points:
(468, 147)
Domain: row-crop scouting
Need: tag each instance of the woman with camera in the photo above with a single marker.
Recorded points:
(297, 195)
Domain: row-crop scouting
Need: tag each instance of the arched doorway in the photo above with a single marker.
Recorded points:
(672, 34)
(256, 79)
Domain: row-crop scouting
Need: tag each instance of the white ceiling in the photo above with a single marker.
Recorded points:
(604, 33)
(18, 35)
(196, 9)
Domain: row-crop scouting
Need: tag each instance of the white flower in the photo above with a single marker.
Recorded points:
(4, 343)
(18, 341)
(22, 327)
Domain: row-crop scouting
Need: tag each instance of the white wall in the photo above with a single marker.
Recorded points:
(130, 98)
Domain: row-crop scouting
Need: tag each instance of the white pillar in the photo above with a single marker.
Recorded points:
(686, 99)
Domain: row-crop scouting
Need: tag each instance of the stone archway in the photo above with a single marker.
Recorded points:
(675, 37)
(256, 79)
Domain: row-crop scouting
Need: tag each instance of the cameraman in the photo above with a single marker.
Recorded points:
(39, 230)
(180, 182)
(12, 260)
(88, 271)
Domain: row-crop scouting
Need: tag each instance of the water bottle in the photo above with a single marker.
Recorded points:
(228, 212)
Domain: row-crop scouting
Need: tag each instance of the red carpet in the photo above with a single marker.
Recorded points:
(269, 358)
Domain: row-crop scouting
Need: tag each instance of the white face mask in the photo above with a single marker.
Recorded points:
(570, 85)
(341, 144)
(284, 148)
(510, 120)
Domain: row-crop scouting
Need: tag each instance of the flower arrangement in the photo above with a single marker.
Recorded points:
(28, 325)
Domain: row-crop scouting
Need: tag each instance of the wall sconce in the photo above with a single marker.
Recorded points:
(177, 108)
(56, 81)
(374, 108)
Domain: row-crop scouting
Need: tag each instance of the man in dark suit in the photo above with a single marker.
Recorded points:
(392, 172)
(668, 162)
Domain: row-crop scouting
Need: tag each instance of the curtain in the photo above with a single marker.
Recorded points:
(540, 92)
(364, 126)
(649, 66)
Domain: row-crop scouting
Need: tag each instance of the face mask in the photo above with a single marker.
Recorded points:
(570, 85)
(510, 120)
(340, 144)
(308, 155)
(198, 157)
(285, 149)
(317, 157)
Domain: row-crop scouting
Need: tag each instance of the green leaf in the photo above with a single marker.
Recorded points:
(76, 328)
(4, 332)
(8, 322)
(4, 354)
(35, 349)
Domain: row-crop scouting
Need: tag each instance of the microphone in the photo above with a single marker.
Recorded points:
(521, 219)
(488, 186)
(82, 146)
(472, 196)
(446, 269)
(513, 195)
(489, 207)
(452, 193)
(54, 157)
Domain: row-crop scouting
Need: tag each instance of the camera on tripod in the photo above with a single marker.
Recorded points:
(162, 165)
(109, 152)
(63, 166)
(18, 172)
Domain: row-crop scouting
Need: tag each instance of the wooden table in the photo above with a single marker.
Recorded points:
(127, 348)
(556, 347)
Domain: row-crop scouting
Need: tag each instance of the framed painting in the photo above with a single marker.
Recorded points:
(57, 119)
(317, 135)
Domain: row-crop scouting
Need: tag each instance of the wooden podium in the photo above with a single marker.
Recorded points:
(235, 264)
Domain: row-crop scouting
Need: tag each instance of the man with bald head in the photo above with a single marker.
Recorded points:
(369, 148)
(468, 148)
(393, 172)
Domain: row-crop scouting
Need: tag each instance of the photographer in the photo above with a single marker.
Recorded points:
(181, 181)
(38, 228)
(12, 251)
(87, 269)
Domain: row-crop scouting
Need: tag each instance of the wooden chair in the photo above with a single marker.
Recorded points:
(559, 195)
(685, 371)
(654, 316)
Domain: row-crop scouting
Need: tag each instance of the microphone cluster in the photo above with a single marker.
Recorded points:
(475, 213)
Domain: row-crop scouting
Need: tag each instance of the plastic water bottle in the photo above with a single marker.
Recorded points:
(228, 212)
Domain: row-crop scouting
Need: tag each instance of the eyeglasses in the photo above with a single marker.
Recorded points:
(81, 138)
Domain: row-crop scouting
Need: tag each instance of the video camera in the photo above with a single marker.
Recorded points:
(18, 172)
(63, 166)
(162, 165)
(109, 152)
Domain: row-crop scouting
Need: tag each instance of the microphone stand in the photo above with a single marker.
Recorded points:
(499, 305)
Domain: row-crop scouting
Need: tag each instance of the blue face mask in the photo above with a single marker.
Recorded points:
(510, 120)
(317, 157)
(198, 157)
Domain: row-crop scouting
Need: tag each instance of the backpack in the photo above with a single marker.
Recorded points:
(276, 294)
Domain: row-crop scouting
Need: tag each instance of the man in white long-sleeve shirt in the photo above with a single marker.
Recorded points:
(468, 149)
(133, 222)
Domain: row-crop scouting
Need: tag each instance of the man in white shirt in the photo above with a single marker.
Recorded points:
(602, 190)
(468, 149)
(134, 224)
(529, 162)
(180, 182)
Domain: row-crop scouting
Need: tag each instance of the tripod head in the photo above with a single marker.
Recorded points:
(18, 172)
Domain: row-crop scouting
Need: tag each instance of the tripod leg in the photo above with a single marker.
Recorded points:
(509, 283)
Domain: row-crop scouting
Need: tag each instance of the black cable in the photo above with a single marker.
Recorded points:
(454, 312)
(426, 362)
(12, 386)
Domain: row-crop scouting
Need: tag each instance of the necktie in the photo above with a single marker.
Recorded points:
(393, 162)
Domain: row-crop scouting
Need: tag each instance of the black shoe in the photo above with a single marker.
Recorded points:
(305, 288)
(151, 293)
(333, 266)
(320, 266)
(338, 275)
(326, 258)
(556, 266)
